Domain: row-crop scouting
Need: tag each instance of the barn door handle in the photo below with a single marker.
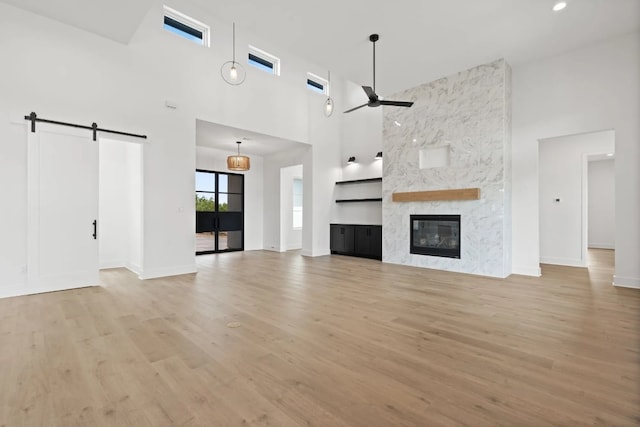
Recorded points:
(95, 229)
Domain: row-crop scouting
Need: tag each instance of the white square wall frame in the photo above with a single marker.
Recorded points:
(435, 157)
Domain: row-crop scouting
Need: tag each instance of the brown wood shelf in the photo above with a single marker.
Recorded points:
(437, 195)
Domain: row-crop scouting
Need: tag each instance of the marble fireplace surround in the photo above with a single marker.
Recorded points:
(470, 113)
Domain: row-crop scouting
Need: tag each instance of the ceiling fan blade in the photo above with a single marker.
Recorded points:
(397, 103)
(360, 106)
(370, 93)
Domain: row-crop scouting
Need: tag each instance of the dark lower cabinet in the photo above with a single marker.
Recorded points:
(368, 241)
(341, 239)
(357, 240)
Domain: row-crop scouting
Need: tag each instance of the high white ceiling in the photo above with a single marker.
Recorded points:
(420, 40)
(114, 19)
(214, 135)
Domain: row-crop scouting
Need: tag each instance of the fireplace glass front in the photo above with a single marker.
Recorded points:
(435, 235)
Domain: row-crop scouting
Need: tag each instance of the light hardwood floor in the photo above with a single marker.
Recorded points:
(261, 338)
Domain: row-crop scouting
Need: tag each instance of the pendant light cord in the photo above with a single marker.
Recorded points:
(234, 43)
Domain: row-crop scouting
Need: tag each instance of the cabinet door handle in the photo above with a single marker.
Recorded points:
(95, 229)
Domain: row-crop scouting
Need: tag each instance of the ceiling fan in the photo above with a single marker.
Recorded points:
(374, 99)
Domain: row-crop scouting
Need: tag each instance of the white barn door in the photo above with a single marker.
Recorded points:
(62, 202)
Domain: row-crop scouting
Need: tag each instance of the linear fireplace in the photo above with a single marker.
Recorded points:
(435, 235)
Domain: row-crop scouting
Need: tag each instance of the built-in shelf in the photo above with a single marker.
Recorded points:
(358, 200)
(359, 181)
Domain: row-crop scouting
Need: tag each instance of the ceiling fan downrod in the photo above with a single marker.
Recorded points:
(373, 38)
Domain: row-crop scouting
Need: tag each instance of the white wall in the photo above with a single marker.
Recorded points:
(216, 160)
(135, 194)
(563, 175)
(72, 75)
(602, 221)
(322, 172)
(291, 238)
(120, 203)
(13, 193)
(586, 90)
(361, 134)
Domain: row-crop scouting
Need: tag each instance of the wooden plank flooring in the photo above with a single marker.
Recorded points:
(268, 339)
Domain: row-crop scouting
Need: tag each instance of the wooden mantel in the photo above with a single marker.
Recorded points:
(437, 195)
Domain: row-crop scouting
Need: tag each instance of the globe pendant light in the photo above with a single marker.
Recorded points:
(328, 104)
(238, 162)
(232, 71)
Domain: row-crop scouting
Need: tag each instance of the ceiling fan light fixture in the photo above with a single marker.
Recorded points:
(238, 162)
(374, 99)
(233, 72)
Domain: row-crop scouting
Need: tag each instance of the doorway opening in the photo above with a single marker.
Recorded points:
(120, 204)
(571, 214)
(291, 207)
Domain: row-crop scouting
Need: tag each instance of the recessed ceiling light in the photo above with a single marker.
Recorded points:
(609, 154)
(397, 123)
(559, 6)
(415, 139)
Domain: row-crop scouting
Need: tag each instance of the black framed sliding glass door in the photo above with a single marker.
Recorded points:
(219, 212)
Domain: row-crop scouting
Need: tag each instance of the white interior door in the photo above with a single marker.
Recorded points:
(62, 202)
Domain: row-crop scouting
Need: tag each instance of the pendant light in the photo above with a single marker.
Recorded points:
(238, 162)
(232, 71)
(328, 104)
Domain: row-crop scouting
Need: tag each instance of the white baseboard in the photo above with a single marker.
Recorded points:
(112, 263)
(134, 268)
(601, 246)
(155, 273)
(273, 250)
(626, 282)
(14, 290)
(23, 290)
(569, 262)
(527, 271)
(316, 253)
(62, 287)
